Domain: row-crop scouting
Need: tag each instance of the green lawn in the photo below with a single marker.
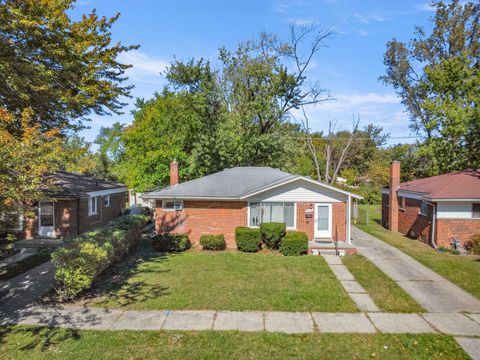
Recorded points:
(44, 343)
(388, 296)
(225, 281)
(461, 270)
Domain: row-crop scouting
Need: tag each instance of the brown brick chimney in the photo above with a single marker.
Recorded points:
(174, 178)
(393, 197)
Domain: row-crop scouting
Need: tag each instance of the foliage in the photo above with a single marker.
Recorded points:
(437, 77)
(84, 258)
(25, 160)
(59, 68)
(237, 114)
(213, 242)
(272, 234)
(247, 239)
(167, 242)
(473, 245)
(295, 243)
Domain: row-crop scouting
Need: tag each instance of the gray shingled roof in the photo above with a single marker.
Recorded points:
(226, 184)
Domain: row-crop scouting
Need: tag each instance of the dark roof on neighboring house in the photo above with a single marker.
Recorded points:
(234, 183)
(457, 185)
(74, 185)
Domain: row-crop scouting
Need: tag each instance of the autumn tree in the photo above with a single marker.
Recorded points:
(437, 76)
(60, 69)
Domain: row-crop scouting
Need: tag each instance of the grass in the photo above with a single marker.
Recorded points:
(388, 296)
(26, 264)
(45, 343)
(461, 270)
(225, 281)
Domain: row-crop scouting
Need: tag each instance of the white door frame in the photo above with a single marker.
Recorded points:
(323, 234)
(46, 231)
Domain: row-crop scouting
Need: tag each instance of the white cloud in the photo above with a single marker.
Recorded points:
(368, 18)
(303, 21)
(144, 67)
(424, 7)
(363, 32)
(280, 8)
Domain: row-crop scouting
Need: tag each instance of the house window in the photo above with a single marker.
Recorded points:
(423, 208)
(106, 200)
(476, 211)
(170, 205)
(264, 212)
(92, 205)
(401, 201)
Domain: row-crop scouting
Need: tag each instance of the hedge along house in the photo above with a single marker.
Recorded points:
(249, 196)
(436, 210)
(75, 204)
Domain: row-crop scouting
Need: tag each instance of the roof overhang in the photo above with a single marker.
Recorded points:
(188, 197)
(452, 200)
(107, 191)
(290, 180)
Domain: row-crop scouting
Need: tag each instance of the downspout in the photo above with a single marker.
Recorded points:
(434, 223)
(349, 221)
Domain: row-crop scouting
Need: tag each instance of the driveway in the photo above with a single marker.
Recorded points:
(435, 293)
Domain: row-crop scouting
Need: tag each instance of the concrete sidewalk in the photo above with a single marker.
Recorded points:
(426, 287)
(77, 317)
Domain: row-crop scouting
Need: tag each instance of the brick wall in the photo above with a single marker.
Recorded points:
(461, 229)
(104, 213)
(412, 223)
(222, 217)
(385, 198)
(66, 224)
(203, 218)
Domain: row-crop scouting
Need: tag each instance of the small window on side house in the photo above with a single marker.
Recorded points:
(401, 201)
(169, 205)
(106, 200)
(476, 211)
(423, 208)
(92, 206)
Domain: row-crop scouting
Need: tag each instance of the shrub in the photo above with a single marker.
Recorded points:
(272, 234)
(213, 242)
(473, 245)
(85, 257)
(168, 242)
(294, 243)
(247, 239)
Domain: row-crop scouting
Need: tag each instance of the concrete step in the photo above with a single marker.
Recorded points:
(317, 252)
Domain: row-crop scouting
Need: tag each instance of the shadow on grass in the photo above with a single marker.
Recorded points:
(115, 284)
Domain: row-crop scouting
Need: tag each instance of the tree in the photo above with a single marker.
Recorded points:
(437, 77)
(238, 114)
(60, 69)
(24, 162)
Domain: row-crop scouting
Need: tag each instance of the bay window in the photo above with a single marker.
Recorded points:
(265, 212)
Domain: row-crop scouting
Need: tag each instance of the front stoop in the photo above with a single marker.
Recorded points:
(323, 247)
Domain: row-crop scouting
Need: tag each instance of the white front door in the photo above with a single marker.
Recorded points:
(46, 219)
(323, 221)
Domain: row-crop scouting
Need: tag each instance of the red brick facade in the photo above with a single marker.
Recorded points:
(71, 216)
(417, 226)
(222, 217)
(461, 229)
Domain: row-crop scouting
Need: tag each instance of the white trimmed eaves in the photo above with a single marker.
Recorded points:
(290, 180)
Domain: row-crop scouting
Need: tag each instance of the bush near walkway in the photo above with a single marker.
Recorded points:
(171, 242)
(272, 234)
(295, 243)
(84, 258)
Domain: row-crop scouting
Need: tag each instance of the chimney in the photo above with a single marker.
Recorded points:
(393, 197)
(174, 178)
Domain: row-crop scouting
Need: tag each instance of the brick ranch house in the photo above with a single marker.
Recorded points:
(76, 203)
(248, 196)
(435, 210)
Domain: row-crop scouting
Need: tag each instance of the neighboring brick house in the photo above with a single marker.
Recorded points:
(435, 210)
(248, 196)
(75, 204)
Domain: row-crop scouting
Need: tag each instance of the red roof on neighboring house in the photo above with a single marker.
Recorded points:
(457, 185)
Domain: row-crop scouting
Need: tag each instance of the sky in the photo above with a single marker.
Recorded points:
(348, 68)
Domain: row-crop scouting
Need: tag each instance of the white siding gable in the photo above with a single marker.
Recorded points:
(300, 191)
(454, 210)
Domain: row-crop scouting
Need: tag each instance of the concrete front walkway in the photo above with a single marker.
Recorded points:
(426, 287)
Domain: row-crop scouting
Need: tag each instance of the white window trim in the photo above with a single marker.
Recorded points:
(174, 201)
(90, 202)
(105, 197)
(294, 227)
(420, 208)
